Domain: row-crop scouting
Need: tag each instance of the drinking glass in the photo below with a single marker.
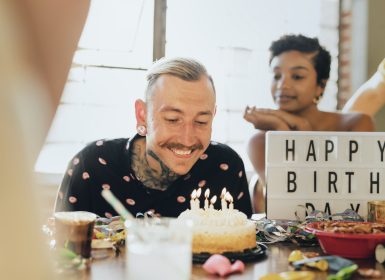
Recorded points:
(73, 230)
(158, 248)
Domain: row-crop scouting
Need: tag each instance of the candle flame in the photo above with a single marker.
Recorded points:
(207, 193)
(213, 199)
(194, 194)
(228, 197)
(223, 192)
(199, 191)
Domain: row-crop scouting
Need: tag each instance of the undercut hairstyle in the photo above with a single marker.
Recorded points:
(186, 69)
(321, 59)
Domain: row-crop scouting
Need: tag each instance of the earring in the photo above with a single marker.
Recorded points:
(317, 99)
(141, 129)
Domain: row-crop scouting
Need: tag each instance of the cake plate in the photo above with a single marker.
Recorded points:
(247, 256)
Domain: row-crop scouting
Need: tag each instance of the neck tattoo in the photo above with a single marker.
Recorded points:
(154, 178)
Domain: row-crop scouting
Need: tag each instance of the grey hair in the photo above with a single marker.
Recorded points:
(186, 69)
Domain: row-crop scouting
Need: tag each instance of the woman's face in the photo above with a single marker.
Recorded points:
(294, 84)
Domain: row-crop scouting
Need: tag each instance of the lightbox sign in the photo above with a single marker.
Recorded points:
(327, 171)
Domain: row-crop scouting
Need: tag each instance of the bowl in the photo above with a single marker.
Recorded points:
(352, 245)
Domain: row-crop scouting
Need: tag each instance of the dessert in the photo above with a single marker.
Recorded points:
(219, 231)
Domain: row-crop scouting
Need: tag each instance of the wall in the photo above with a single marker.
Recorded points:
(376, 34)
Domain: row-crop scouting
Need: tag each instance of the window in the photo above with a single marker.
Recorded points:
(106, 78)
(230, 37)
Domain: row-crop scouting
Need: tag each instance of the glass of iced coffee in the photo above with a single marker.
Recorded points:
(74, 230)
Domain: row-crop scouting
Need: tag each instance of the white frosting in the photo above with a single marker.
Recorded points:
(212, 220)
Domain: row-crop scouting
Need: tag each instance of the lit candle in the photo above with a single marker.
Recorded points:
(223, 201)
(192, 201)
(207, 193)
(199, 191)
(230, 200)
(212, 201)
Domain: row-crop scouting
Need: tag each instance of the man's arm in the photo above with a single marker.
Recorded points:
(242, 201)
(74, 191)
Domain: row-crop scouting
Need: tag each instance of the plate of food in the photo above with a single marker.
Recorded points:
(356, 240)
(108, 233)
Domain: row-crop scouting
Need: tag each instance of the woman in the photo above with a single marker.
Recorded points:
(370, 98)
(300, 68)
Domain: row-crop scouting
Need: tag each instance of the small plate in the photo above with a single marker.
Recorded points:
(248, 255)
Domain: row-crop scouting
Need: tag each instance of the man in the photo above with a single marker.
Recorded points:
(158, 169)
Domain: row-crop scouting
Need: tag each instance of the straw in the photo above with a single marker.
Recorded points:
(117, 205)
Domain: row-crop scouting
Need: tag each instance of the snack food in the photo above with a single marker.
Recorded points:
(219, 231)
(350, 227)
(356, 240)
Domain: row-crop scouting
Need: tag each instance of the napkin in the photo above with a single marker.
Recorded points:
(218, 264)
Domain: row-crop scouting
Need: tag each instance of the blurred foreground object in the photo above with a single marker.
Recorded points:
(37, 41)
(370, 98)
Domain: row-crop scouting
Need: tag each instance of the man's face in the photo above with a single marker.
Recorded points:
(179, 121)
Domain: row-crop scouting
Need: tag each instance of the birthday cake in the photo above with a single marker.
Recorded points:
(219, 231)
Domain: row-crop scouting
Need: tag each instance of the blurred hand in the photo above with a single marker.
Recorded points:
(270, 119)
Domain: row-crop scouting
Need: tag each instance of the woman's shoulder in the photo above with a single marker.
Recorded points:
(258, 137)
(354, 121)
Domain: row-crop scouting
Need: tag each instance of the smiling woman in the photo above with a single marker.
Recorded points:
(300, 67)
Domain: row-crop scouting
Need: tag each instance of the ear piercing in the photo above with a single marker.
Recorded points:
(316, 100)
(141, 129)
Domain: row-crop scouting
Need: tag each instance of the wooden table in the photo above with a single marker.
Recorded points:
(107, 266)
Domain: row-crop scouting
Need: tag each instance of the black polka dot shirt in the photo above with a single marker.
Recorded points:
(106, 164)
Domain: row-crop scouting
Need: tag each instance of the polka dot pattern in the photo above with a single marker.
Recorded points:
(181, 199)
(99, 143)
(130, 201)
(106, 186)
(108, 215)
(202, 183)
(106, 164)
(224, 166)
(126, 178)
(85, 175)
(240, 195)
(203, 156)
(102, 161)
